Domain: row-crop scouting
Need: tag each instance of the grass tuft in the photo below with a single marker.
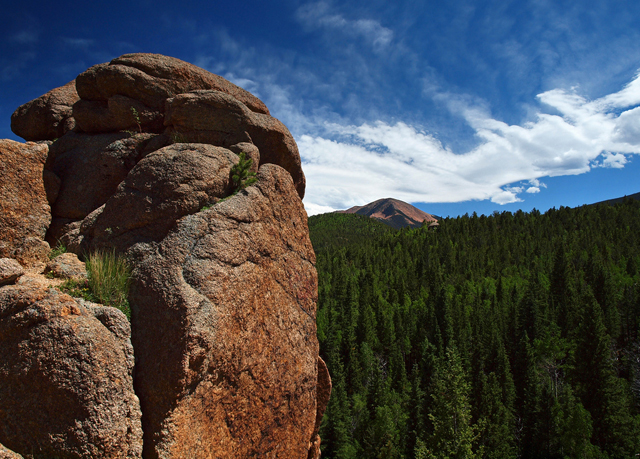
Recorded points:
(109, 279)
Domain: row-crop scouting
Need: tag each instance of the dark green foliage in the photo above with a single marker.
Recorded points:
(241, 174)
(513, 335)
(337, 229)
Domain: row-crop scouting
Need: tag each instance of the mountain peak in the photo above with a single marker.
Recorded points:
(393, 212)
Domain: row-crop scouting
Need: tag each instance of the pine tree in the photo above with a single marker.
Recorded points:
(453, 434)
(241, 174)
(603, 394)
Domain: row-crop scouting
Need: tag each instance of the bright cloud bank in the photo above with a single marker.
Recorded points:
(352, 165)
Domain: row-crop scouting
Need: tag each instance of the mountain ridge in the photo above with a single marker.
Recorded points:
(395, 213)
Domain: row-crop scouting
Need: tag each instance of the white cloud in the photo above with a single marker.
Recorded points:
(352, 165)
(612, 160)
(535, 186)
(320, 15)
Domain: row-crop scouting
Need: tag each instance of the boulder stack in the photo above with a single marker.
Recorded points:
(137, 156)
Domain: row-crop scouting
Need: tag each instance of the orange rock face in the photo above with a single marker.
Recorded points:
(224, 329)
(24, 210)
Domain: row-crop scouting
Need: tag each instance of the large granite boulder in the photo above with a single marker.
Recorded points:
(149, 79)
(24, 209)
(220, 119)
(224, 286)
(166, 185)
(66, 387)
(223, 313)
(47, 117)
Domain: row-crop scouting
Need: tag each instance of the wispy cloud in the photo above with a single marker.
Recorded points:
(321, 16)
(25, 37)
(357, 164)
(81, 43)
(11, 69)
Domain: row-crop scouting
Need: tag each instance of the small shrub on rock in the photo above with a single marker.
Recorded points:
(58, 250)
(108, 282)
(241, 173)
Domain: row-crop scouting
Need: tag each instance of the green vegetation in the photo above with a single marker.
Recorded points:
(77, 288)
(109, 278)
(507, 336)
(136, 117)
(59, 249)
(178, 137)
(241, 174)
(108, 281)
(334, 230)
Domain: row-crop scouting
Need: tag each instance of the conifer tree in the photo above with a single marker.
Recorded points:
(453, 434)
(241, 174)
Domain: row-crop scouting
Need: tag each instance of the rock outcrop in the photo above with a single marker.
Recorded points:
(218, 118)
(91, 167)
(224, 288)
(66, 387)
(166, 185)
(49, 116)
(24, 208)
(6, 453)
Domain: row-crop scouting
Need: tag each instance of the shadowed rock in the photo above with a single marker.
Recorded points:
(323, 393)
(48, 117)
(116, 114)
(24, 210)
(66, 385)
(166, 185)
(91, 167)
(223, 313)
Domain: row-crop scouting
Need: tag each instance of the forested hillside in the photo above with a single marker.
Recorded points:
(514, 335)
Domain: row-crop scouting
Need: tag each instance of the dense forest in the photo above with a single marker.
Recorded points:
(512, 335)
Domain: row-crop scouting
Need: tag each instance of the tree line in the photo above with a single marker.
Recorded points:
(510, 335)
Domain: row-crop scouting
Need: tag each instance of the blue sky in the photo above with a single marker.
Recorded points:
(455, 106)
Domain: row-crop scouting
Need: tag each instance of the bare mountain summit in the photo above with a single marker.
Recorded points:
(393, 212)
